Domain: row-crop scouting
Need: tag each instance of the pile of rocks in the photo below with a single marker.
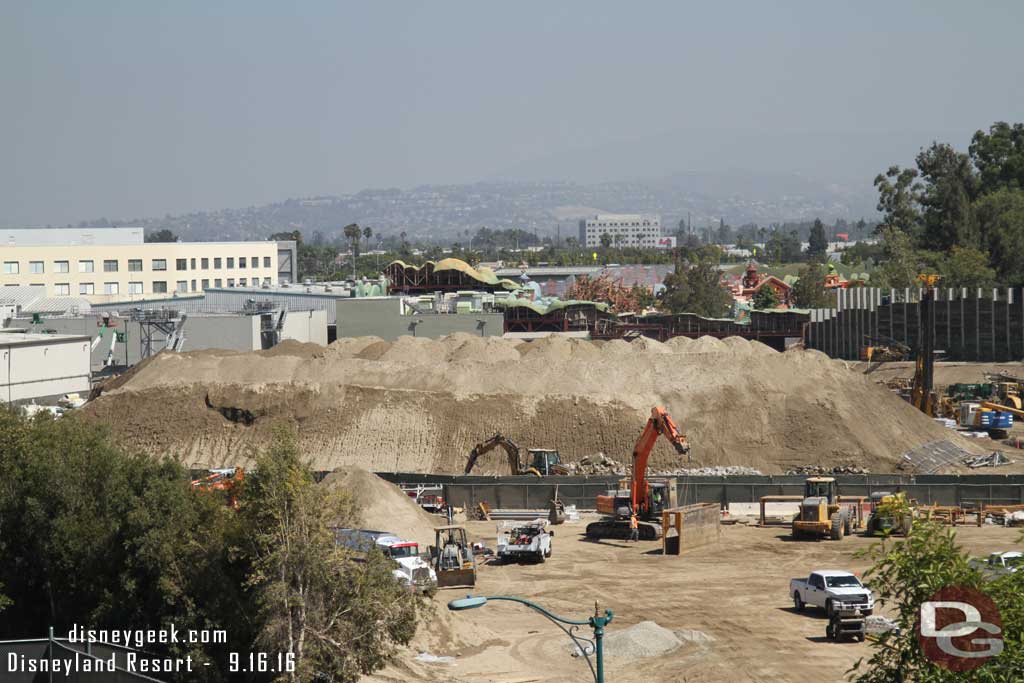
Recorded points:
(597, 464)
(602, 464)
(724, 471)
(826, 470)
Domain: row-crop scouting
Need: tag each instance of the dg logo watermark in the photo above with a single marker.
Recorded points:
(959, 628)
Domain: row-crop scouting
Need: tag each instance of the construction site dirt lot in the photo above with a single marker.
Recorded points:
(735, 591)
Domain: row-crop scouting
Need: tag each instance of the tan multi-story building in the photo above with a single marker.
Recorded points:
(115, 264)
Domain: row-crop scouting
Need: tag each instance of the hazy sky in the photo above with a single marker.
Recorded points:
(142, 108)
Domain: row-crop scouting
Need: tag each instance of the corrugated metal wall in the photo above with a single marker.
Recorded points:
(970, 325)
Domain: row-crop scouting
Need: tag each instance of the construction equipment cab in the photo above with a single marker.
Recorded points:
(820, 512)
(543, 461)
(454, 563)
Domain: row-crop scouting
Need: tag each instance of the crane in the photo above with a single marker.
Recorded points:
(646, 497)
(542, 460)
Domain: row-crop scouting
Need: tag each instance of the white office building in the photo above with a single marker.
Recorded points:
(116, 264)
(624, 230)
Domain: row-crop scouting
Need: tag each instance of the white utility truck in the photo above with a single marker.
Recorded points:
(522, 541)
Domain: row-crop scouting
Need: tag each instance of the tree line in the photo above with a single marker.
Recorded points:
(956, 214)
(93, 534)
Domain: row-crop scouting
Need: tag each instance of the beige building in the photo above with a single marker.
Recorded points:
(115, 264)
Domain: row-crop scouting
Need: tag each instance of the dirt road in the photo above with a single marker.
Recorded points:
(735, 591)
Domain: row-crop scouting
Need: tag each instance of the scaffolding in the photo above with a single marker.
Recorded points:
(272, 316)
(160, 329)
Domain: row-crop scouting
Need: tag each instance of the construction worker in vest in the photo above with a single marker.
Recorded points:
(634, 527)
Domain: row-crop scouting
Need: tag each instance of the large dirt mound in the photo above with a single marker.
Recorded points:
(384, 506)
(420, 404)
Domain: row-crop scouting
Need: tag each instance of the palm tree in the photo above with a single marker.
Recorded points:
(353, 233)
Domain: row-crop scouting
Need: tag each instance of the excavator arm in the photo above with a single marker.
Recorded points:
(511, 450)
(658, 424)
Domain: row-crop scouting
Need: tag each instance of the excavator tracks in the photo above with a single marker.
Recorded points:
(619, 529)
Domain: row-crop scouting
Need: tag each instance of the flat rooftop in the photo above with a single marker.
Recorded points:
(14, 338)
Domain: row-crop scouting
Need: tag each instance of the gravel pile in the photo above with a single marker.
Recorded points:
(646, 639)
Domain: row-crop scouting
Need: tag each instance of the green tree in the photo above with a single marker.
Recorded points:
(899, 195)
(352, 233)
(902, 263)
(862, 253)
(809, 290)
(367, 233)
(817, 242)
(1000, 218)
(697, 289)
(784, 247)
(966, 267)
(908, 572)
(150, 550)
(999, 156)
(950, 186)
(765, 298)
(163, 235)
(606, 240)
(292, 236)
(724, 233)
(339, 617)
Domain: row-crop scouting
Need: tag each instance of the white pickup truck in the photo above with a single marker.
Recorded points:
(831, 590)
(520, 541)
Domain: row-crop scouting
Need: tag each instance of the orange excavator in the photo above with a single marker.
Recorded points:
(228, 480)
(645, 496)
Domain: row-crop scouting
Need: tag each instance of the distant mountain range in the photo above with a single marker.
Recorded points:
(446, 212)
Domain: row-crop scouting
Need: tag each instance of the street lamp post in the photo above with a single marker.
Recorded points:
(596, 622)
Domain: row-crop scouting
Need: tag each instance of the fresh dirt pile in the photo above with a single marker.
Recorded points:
(384, 506)
(421, 404)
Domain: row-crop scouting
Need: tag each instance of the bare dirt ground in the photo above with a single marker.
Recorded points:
(735, 591)
(966, 373)
(945, 373)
